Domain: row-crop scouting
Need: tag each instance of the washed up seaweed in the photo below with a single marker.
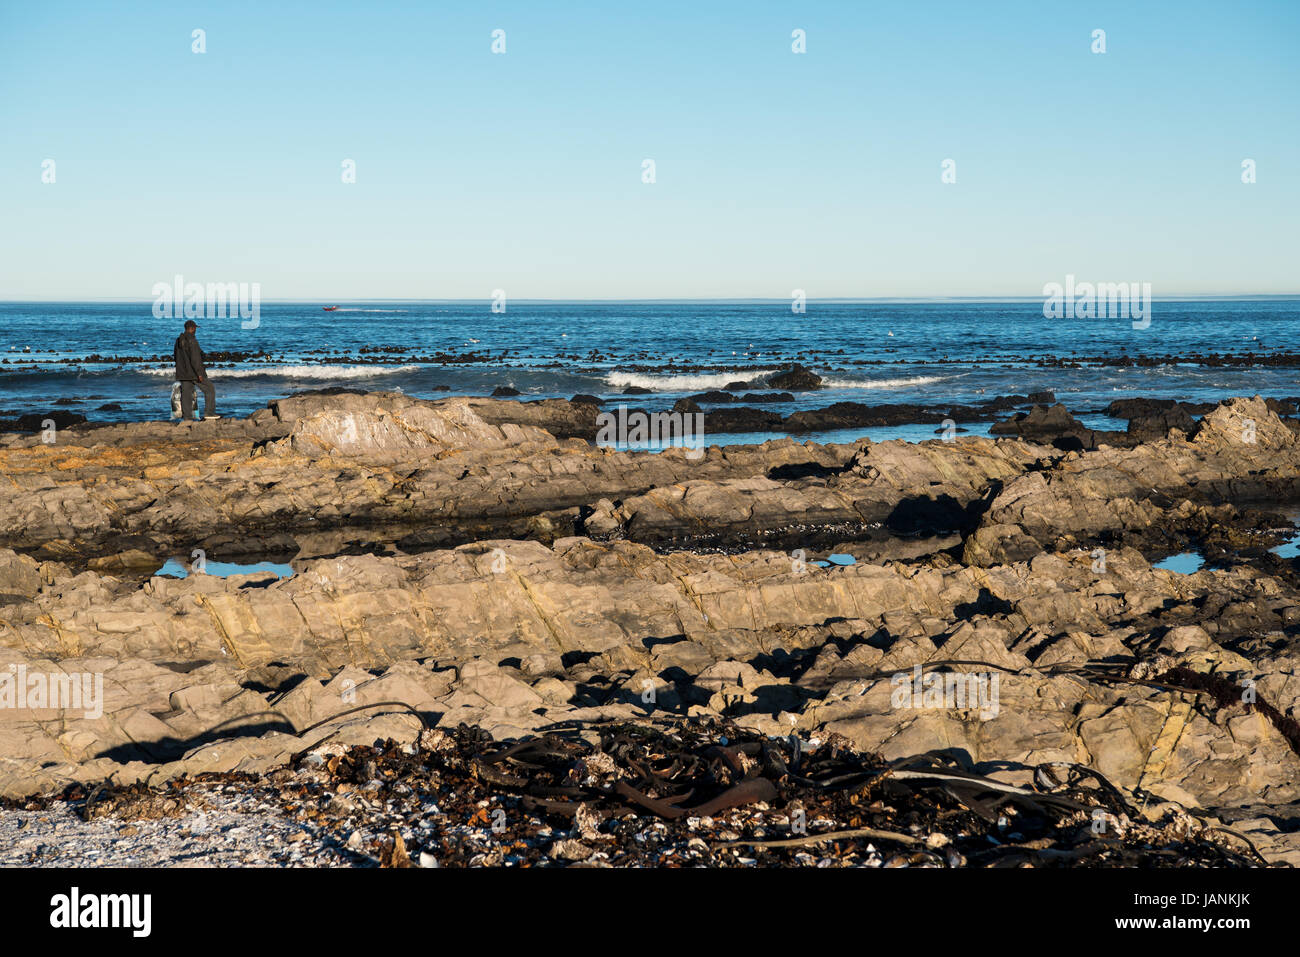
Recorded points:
(694, 793)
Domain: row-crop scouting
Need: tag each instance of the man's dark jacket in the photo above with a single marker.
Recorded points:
(189, 359)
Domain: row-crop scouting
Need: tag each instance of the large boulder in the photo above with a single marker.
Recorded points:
(1157, 425)
(1056, 426)
(20, 577)
(398, 430)
(797, 378)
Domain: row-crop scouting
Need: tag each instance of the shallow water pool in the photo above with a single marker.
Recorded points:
(1182, 564)
(176, 568)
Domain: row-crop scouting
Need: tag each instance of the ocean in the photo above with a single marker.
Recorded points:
(111, 361)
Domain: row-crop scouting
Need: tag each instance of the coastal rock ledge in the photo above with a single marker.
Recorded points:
(455, 563)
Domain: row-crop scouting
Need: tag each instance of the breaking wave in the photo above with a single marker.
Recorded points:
(697, 383)
(319, 373)
(682, 383)
(886, 383)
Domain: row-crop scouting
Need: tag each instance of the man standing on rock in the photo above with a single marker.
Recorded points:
(189, 370)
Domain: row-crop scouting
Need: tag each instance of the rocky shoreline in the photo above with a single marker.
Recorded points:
(471, 572)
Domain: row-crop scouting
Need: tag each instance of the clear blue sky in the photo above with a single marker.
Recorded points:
(775, 171)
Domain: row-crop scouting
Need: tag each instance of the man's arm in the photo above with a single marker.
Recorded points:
(196, 358)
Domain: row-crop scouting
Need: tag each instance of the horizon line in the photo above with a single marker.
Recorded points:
(1188, 297)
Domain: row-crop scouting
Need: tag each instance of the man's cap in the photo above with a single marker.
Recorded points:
(191, 324)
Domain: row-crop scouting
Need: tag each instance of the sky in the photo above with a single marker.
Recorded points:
(523, 171)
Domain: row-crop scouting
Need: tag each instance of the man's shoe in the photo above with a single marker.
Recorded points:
(212, 416)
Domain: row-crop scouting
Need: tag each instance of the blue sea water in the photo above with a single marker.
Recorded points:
(1289, 548)
(93, 355)
(178, 568)
(1185, 563)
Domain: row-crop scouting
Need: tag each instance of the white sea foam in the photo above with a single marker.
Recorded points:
(319, 373)
(682, 383)
(885, 383)
(688, 383)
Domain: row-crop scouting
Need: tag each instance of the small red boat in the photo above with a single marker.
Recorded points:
(329, 308)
